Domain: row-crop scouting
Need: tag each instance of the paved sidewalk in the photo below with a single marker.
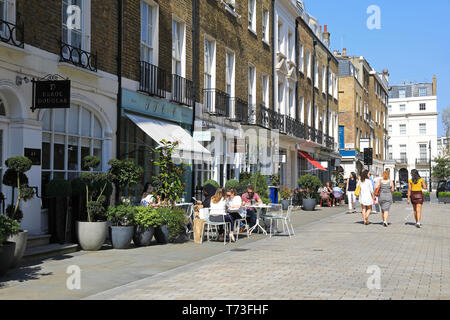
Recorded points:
(107, 269)
(325, 260)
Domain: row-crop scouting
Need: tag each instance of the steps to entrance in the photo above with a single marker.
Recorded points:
(38, 240)
(48, 251)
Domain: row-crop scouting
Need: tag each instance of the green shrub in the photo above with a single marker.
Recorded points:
(58, 188)
(124, 173)
(19, 164)
(285, 193)
(97, 209)
(8, 227)
(121, 215)
(397, 194)
(175, 219)
(310, 185)
(444, 194)
(232, 184)
(426, 194)
(275, 180)
(212, 182)
(257, 181)
(146, 217)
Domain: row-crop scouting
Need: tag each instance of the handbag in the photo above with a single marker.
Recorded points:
(377, 191)
(357, 190)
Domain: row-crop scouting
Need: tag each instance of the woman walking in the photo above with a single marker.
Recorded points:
(385, 198)
(351, 187)
(366, 196)
(415, 186)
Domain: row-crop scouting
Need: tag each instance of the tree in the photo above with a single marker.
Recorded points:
(124, 173)
(169, 185)
(442, 168)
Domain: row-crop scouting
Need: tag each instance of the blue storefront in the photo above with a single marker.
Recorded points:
(145, 120)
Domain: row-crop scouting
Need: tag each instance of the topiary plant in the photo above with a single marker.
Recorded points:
(148, 217)
(124, 173)
(232, 184)
(15, 177)
(211, 182)
(121, 215)
(310, 185)
(8, 227)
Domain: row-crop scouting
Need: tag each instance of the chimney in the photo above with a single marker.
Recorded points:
(344, 52)
(386, 74)
(326, 36)
(434, 86)
(335, 52)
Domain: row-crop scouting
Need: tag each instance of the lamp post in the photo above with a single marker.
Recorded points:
(429, 149)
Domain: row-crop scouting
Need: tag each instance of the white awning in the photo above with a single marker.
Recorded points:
(158, 130)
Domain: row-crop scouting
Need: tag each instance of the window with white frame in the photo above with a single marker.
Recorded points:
(422, 128)
(302, 58)
(229, 79)
(7, 13)
(402, 93)
(403, 129)
(302, 110)
(330, 83)
(390, 129)
(265, 21)
(251, 85)
(402, 107)
(422, 107)
(209, 74)
(77, 36)
(280, 97)
(149, 33)
(308, 64)
(309, 114)
(316, 117)
(423, 92)
(335, 87)
(69, 135)
(252, 15)
(291, 103)
(316, 74)
(423, 151)
(324, 79)
(280, 36)
(290, 46)
(265, 90)
(403, 152)
(178, 52)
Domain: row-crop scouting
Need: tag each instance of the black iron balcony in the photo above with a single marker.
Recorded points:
(238, 110)
(295, 128)
(312, 134)
(402, 160)
(78, 57)
(329, 142)
(11, 33)
(152, 79)
(216, 102)
(319, 137)
(269, 119)
(182, 90)
(422, 162)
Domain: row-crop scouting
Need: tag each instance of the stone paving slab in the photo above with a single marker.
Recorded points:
(325, 260)
(107, 269)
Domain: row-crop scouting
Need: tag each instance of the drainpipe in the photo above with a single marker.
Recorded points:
(195, 32)
(326, 94)
(313, 76)
(273, 55)
(298, 72)
(119, 76)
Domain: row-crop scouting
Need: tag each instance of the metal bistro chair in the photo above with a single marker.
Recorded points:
(285, 219)
(216, 225)
(275, 210)
(237, 223)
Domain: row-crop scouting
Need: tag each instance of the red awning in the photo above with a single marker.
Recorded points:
(312, 161)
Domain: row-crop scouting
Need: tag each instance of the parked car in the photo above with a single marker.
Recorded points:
(404, 191)
(443, 186)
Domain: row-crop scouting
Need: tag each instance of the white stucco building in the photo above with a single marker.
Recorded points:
(412, 128)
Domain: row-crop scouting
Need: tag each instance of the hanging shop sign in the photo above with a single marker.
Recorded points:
(51, 92)
(34, 155)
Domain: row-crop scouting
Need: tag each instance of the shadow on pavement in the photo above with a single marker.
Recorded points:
(23, 274)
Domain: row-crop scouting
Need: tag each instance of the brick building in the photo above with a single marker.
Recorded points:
(37, 40)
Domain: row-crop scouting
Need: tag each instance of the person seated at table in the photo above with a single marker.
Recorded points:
(249, 198)
(338, 194)
(234, 204)
(208, 191)
(147, 199)
(324, 194)
(218, 212)
(330, 191)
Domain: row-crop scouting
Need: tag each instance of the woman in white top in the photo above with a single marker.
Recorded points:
(217, 212)
(366, 196)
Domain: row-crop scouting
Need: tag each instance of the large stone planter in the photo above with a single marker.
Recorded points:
(6, 256)
(91, 235)
(121, 237)
(162, 234)
(20, 240)
(444, 199)
(309, 204)
(143, 236)
(397, 198)
(285, 204)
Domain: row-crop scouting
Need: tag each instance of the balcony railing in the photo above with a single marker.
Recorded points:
(319, 137)
(329, 142)
(216, 102)
(153, 80)
(182, 90)
(269, 119)
(423, 161)
(295, 128)
(11, 33)
(78, 57)
(312, 134)
(238, 110)
(402, 160)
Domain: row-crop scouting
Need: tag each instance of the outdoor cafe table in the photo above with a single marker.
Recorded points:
(258, 213)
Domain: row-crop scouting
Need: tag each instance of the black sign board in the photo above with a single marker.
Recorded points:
(368, 156)
(51, 94)
(34, 155)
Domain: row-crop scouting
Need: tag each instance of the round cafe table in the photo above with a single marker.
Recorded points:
(258, 214)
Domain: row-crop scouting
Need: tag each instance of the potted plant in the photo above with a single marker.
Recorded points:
(146, 220)
(173, 227)
(58, 190)
(232, 184)
(16, 178)
(91, 234)
(124, 173)
(8, 228)
(310, 185)
(444, 197)
(211, 182)
(122, 231)
(426, 196)
(397, 196)
(285, 195)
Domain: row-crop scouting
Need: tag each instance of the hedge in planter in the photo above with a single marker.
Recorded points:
(426, 196)
(146, 220)
(397, 196)
(175, 220)
(444, 197)
(58, 190)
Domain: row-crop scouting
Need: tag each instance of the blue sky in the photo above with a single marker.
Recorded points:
(413, 42)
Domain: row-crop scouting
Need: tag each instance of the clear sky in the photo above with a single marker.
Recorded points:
(413, 42)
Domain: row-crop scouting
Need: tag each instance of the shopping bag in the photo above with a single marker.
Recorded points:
(198, 230)
(358, 190)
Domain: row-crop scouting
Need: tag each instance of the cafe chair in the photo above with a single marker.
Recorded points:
(237, 223)
(285, 219)
(215, 225)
